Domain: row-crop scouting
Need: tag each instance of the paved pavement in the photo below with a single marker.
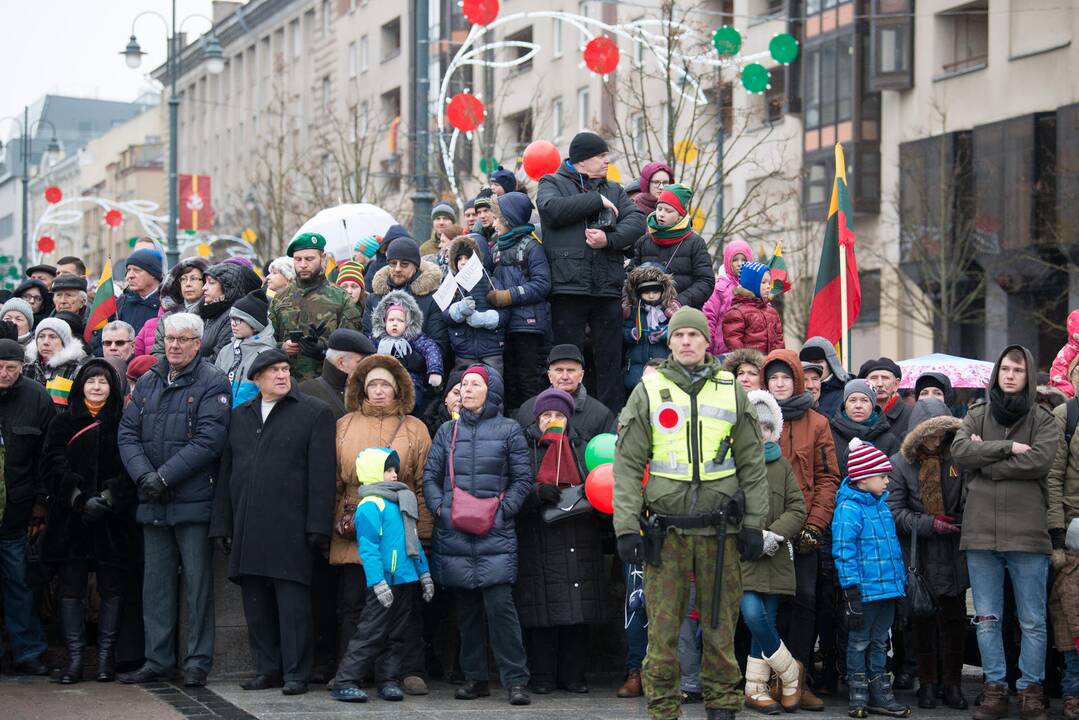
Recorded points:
(35, 698)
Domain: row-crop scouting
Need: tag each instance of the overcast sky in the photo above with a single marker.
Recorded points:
(70, 47)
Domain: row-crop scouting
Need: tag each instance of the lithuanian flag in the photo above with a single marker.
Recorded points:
(104, 304)
(331, 268)
(780, 282)
(59, 388)
(825, 315)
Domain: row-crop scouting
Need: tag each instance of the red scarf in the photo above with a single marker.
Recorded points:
(888, 405)
(558, 467)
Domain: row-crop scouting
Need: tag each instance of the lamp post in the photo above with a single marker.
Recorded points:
(26, 129)
(215, 64)
(422, 197)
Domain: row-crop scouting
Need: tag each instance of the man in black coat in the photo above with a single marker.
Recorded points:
(884, 375)
(565, 371)
(345, 349)
(25, 414)
(590, 226)
(273, 507)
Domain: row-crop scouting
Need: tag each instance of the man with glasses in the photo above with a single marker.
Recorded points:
(405, 271)
(171, 438)
(118, 341)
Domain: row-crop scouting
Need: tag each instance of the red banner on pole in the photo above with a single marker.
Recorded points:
(196, 208)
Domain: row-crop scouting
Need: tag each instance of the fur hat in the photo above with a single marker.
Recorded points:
(768, 412)
(743, 356)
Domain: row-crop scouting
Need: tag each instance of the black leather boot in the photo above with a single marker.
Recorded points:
(108, 624)
(73, 623)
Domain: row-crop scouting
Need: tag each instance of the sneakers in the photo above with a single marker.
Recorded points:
(349, 694)
(994, 702)
(631, 688)
(1032, 704)
(882, 700)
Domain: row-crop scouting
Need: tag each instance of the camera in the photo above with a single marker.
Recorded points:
(604, 221)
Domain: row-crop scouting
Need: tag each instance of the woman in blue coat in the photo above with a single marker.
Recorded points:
(481, 459)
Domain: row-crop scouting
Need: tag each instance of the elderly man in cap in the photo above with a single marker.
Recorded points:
(884, 375)
(589, 226)
(142, 298)
(310, 308)
(832, 377)
(69, 295)
(565, 371)
(344, 351)
(272, 511)
(44, 273)
(406, 271)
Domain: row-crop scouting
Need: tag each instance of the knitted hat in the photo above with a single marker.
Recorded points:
(379, 373)
(393, 460)
(240, 260)
(147, 259)
(689, 317)
(883, 363)
(11, 350)
(677, 196)
(306, 241)
(20, 306)
(404, 248)
(444, 209)
(483, 199)
(926, 379)
(264, 360)
(350, 270)
(58, 326)
(585, 145)
(768, 412)
(139, 366)
(864, 461)
(470, 204)
(553, 399)
(777, 366)
(67, 281)
(505, 178)
(253, 308)
(859, 386)
(751, 276)
(480, 370)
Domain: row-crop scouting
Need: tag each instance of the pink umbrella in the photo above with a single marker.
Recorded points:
(963, 372)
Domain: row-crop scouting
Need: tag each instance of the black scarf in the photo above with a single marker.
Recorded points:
(796, 406)
(1008, 409)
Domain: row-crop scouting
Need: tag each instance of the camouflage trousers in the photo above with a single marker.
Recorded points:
(666, 591)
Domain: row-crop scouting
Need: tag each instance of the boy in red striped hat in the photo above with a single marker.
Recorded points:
(871, 573)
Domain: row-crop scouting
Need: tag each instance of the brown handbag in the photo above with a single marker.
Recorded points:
(468, 513)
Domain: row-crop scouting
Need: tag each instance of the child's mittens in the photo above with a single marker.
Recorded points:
(500, 298)
(383, 593)
(462, 309)
(771, 542)
(486, 320)
(434, 380)
(428, 586)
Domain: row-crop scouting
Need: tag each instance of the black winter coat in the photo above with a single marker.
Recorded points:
(329, 387)
(590, 416)
(560, 579)
(276, 486)
(490, 458)
(567, 202)
(688, 261)
(136, 310)
(26, 412)
(844, 430)
(179, 430)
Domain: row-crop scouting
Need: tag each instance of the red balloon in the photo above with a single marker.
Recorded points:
(480, 12)
(465, 112)
(599, 488)
(601, 55)
(113, 218)
(540, 158)
(46, 244)
(53, 195)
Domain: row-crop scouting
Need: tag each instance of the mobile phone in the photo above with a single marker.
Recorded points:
(295, 336)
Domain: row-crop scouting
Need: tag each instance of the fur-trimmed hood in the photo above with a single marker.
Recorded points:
(929, 416)
(354, 388)
(742, 356)
(171, 297)
(763, 397)
(397, 297)
(647, 274)
(72, 352)
(458, 247)
(426, 280)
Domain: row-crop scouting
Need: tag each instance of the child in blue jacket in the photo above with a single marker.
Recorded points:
(395, 568)
(872, 575)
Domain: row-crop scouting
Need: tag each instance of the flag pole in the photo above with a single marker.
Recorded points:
(844, 329)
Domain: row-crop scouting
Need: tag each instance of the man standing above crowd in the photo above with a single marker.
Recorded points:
(565, 371)
(141, 299)
(310, 308)
(884, 375)
(589, 226)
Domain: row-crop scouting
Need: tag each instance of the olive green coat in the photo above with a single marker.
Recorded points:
(303, 304)
(786, 513)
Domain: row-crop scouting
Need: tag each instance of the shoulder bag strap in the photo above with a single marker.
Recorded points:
(89, 427)
(913, 548)
(453, 444)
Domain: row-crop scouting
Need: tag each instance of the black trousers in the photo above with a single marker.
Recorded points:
(523, 369)
(802, 629)
(557, 655)
(324, 611)
(351, 585)
(503, 631)
(379, 642)
(603, 317)
(279, 630)
(72, 579)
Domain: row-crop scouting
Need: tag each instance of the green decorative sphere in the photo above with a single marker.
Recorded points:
(755, 78)
(784, 48)
(727, 40)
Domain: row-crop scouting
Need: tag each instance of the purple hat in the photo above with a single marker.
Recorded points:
(554, 399)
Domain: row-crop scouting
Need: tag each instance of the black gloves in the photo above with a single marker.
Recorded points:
(809, 539)
(751, 544)
(1057, 536)
(319, 543)
(631, 548)
(313, 345)
(548, 494)
(224, 544)
(852, 607)
(95, 509)
(154, 488)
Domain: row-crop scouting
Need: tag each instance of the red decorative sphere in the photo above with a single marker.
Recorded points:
(480, 12)
(46, 244)
(540, 158)
(53, 195)
(113, 218)
(601, 55)
(465, 112)
(599, 488)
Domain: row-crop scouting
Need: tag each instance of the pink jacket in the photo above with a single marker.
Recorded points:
(716, 307)
(144, 341)
(1060, 373)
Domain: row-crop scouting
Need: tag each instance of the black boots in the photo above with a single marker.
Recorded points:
(74, 625)
(108, 627)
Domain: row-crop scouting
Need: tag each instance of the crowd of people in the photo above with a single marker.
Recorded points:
(380, 466)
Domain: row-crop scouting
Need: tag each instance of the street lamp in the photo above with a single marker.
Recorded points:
(53, 152)
(215, 65)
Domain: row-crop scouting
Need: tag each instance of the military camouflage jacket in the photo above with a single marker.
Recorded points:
(301, 305)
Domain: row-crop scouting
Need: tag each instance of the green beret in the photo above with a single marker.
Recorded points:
(306, 241)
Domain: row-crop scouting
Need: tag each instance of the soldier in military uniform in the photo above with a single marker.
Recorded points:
(310, 308)
(706, 499)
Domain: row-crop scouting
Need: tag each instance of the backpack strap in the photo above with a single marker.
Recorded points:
(1072, 421)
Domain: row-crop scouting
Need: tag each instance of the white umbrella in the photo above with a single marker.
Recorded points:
(345, 224)
(963, 372)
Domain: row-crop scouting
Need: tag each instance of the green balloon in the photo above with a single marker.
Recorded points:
(784, 48)
(755, 78)
(13, 272)
(727, 40)
(600, 450)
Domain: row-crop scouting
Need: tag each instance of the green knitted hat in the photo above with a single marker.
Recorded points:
(677, 196)
(688, 317)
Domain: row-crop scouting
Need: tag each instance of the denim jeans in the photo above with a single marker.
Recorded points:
(867, 648)
(23, 625)
(636, 619)
(1069, 683)
(759, 614)
(1029, 574)
(166, 549)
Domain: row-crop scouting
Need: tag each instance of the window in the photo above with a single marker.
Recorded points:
(584, 116)
(775, 7)
(775, 97)
(556, 118)
(327, 18)
(817, 174)
(352, 59)
(892, 40)
(365, 54)
(516, 51)
(326, 95)
(964, 39)
(520, 126)
(828, 82)
(639, 128)
(353, 124)
(391, 104)
(556, 38)
(7, 225)
(390, 35)
(582, 8)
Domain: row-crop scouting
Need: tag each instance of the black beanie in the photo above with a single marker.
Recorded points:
(254, 306)
(777, 366)
(11, 350)
(404, 248)
(585, 145)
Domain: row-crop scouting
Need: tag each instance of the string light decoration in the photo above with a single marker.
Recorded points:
(71, 211)
(465, 112)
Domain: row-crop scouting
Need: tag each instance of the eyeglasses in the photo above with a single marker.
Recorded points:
(170, 340)
(191, 280)
(118, 343)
